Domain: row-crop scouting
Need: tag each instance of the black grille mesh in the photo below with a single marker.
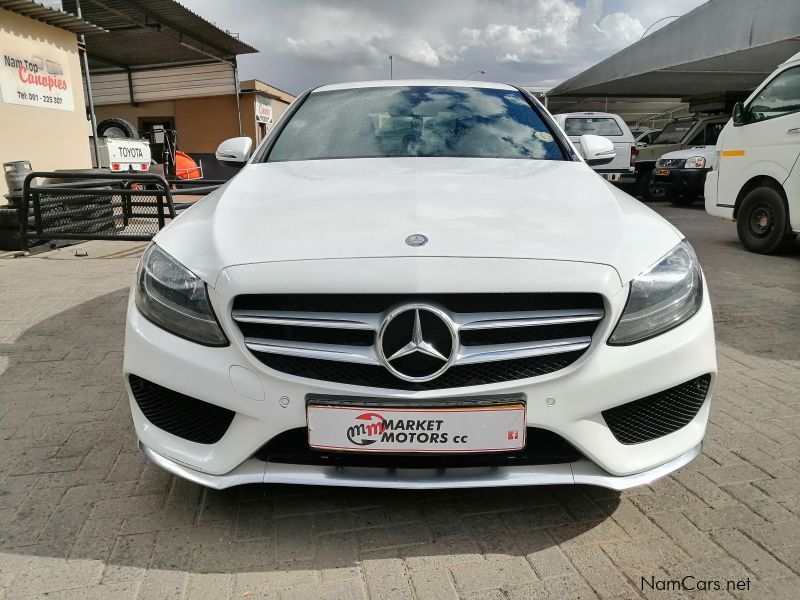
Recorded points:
(657, 415)
(180, 415)
(457, 376)
(542, 447)
(463, 303)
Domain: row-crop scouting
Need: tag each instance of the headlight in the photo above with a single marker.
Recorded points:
(173, 297)
(661, 298)
(695, 162)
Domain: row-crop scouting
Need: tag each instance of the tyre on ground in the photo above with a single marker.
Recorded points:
(763, 221)
(646, 188)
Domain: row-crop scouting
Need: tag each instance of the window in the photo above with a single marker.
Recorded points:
(592, 126)
(418, 121)
(674, 132)
(781, 96)
(708, 135)
(650, 137)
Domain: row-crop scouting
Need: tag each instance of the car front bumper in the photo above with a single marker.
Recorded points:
(579, 472)
(567, 402)
(681, 181)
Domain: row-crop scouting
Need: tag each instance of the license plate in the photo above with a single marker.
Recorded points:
(662, 172)
(379, 429)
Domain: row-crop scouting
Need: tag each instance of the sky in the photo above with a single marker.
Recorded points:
(305, 43)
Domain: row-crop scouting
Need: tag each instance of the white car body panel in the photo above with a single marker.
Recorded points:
(492, 226)
(768, 148)
(357, 208)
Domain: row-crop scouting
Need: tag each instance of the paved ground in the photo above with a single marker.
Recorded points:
(82, 515)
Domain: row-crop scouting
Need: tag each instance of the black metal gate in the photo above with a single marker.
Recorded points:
(100, 206)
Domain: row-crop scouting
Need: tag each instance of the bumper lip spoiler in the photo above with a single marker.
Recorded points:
(580, 472)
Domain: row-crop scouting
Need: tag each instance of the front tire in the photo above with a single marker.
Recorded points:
(763, 222)
(646, 187)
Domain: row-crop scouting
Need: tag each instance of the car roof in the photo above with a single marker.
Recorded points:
(414, 83)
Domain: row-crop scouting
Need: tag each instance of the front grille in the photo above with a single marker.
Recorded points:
(180, 415)
(673, 163)
(454, 377)
(500, 337)
(542, 447)
(657, 415)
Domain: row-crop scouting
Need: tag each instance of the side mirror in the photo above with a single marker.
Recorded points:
(739, 115)
(641, 144)
(597, 150)
(234, 152)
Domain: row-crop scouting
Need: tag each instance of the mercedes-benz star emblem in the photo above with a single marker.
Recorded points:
(416, 240)
(417, 342)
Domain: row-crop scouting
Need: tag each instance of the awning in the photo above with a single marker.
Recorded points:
(153, 33)
(51, 16)
(722, 46)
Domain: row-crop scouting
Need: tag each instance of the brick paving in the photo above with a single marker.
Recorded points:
(83, 515)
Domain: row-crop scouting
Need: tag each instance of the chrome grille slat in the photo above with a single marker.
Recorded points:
(519, 343)
(533, 318)
(494, 352)
(364, 355)
(329, 320)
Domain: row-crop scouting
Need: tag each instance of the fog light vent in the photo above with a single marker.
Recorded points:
(183, 416)
(657, 415)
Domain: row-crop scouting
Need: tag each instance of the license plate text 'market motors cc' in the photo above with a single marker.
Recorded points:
(371, 429)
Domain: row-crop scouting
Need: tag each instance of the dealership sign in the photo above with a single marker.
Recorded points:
(263, 110)
(34, 74)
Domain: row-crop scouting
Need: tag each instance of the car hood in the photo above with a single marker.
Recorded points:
(706, 152)
(354, 208)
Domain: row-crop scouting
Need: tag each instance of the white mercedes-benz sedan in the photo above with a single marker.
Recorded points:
(419, 284)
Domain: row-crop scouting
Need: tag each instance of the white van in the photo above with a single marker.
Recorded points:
(757, 178)
(609, 126)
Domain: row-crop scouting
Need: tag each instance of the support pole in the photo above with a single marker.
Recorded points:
(89, 96)
(236, 85)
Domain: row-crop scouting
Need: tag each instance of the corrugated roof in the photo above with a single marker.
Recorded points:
(153, 32)
(51, 16)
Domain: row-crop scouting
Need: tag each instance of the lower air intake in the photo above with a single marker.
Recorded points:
(542, 447)
(180, 415)
(657, 415)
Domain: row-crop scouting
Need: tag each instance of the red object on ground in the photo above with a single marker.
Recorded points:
(185, 167)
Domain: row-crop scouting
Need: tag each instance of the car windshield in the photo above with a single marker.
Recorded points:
(674, 132)
(416, 121)
(591, 126)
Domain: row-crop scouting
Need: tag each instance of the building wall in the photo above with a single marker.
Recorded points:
(48, 138)
(203, 123)
(214, 79)
(132, 113)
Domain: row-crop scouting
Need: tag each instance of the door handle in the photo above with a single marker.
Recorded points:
(793, 131)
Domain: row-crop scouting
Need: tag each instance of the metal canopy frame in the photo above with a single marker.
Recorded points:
(150, 34)
(51, 16)
(722, 46)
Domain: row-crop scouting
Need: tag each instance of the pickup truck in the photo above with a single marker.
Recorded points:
(608, 126)
(681, 175)
(701, 130)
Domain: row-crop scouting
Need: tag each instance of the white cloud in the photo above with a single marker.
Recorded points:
(533, 42)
